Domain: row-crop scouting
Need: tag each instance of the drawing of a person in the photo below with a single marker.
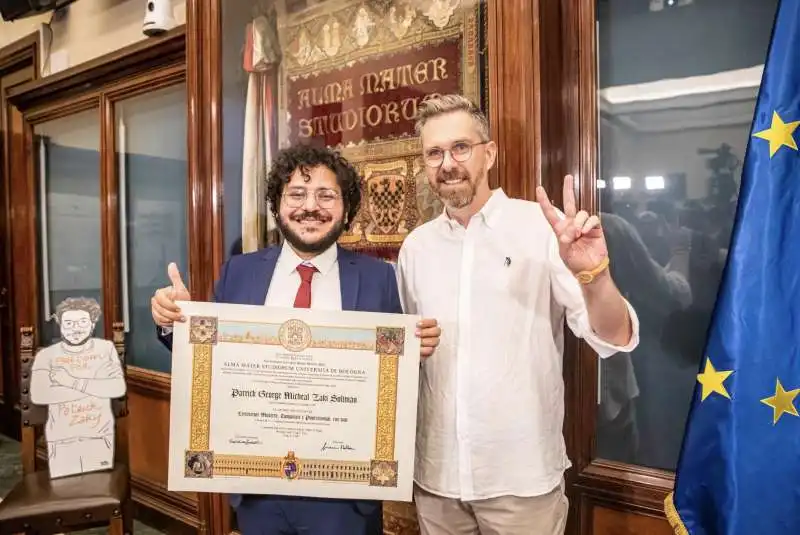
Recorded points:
(77, 378)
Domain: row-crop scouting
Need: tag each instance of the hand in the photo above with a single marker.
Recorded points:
(429, 332)
(162, 304)
(108, 370)
(581, 243)
(60, 376)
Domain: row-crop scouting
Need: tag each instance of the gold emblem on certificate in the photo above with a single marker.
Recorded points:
(291, 466)
(295, 335)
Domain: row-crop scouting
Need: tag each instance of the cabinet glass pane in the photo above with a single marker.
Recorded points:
(678, 83)
(68, 158)
(152, 160)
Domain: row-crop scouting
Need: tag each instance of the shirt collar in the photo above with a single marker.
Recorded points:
(489, 213)
(324, 262)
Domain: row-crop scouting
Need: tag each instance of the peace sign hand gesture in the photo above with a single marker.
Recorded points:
(581, 243)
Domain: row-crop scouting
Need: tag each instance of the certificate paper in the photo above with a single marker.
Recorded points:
(293, 401)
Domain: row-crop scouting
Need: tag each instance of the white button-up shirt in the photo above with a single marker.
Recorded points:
(491, 401)
(326, 293)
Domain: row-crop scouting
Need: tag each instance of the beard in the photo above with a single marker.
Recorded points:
(316, 246)
(78, 343)
(458, 195)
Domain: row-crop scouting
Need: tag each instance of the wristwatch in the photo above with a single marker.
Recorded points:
(586, 277)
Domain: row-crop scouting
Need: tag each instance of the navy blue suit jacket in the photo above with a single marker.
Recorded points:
(367, 285)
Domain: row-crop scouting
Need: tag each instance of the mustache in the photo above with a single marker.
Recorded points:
(310, 216)
(445, 175)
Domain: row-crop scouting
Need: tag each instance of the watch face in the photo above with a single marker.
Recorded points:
(584, 278)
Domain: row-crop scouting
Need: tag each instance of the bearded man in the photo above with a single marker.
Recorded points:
(500, 275)
(314, 195)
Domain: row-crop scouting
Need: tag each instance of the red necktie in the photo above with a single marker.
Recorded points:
(303, 298)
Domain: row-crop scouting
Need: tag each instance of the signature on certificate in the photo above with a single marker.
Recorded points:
(244, 440)
(336, 445)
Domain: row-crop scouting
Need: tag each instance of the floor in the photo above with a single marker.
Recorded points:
(11, 471)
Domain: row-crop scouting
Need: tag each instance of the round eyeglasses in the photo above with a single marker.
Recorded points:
(325, 198)
(460, 152)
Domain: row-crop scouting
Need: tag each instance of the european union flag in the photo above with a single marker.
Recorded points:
(739, 470)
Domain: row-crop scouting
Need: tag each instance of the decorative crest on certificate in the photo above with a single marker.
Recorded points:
(294, 402)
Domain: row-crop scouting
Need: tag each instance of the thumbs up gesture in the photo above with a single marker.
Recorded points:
(162, 304)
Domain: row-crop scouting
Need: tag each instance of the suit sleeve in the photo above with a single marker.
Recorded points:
(165, 333)
(393, 305)
(404, 282)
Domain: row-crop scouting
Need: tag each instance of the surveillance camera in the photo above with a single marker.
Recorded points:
(157, 17)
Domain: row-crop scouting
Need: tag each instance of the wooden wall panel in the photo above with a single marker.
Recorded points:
(148, 439)
(614, 522)
(19, 63)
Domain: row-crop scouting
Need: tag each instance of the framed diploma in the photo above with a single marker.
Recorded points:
(293, 402)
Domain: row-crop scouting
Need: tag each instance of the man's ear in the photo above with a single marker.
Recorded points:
(491, 155)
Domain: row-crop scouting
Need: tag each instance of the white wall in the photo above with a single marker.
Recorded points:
(91, 28)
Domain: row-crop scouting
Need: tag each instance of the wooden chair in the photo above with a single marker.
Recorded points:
(43, 506)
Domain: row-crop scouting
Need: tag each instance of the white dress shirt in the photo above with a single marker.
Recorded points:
(326, 293)
(491, 401)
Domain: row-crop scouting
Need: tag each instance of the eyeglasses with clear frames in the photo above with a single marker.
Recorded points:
(326, 198)
(460, 152)
(71, 324)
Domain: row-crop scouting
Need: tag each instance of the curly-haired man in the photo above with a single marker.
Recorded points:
(314, 194)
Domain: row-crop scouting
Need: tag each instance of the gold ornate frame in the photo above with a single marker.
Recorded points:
(206, 332)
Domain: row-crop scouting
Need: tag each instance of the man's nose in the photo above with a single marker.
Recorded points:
(311, 201)
(447, 161)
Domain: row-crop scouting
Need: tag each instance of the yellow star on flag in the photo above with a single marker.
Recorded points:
(782, 402)
(712, 380)
(778, 134)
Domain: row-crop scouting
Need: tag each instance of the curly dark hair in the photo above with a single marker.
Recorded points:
(305, 157)
(87, 304)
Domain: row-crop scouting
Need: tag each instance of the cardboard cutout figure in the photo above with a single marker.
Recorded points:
(77, 378)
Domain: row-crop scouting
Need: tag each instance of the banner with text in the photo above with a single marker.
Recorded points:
(373, 99)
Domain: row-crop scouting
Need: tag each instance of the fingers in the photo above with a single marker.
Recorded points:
(175, 277)
(592, 223)
(577, 224)
(426, 324)
(429, 333)
(429, 341)
(550, 212)
(569, 196)
(582, 225)
(165, 297)
(163, 308)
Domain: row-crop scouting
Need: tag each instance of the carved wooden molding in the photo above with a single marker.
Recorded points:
(172, 504)
(149, 383)
(20, 54)
(130, 61)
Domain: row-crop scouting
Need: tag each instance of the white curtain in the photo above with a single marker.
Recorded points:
(261, 60)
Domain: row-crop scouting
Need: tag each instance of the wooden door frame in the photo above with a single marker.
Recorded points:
(22, 56)
(591, 481)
